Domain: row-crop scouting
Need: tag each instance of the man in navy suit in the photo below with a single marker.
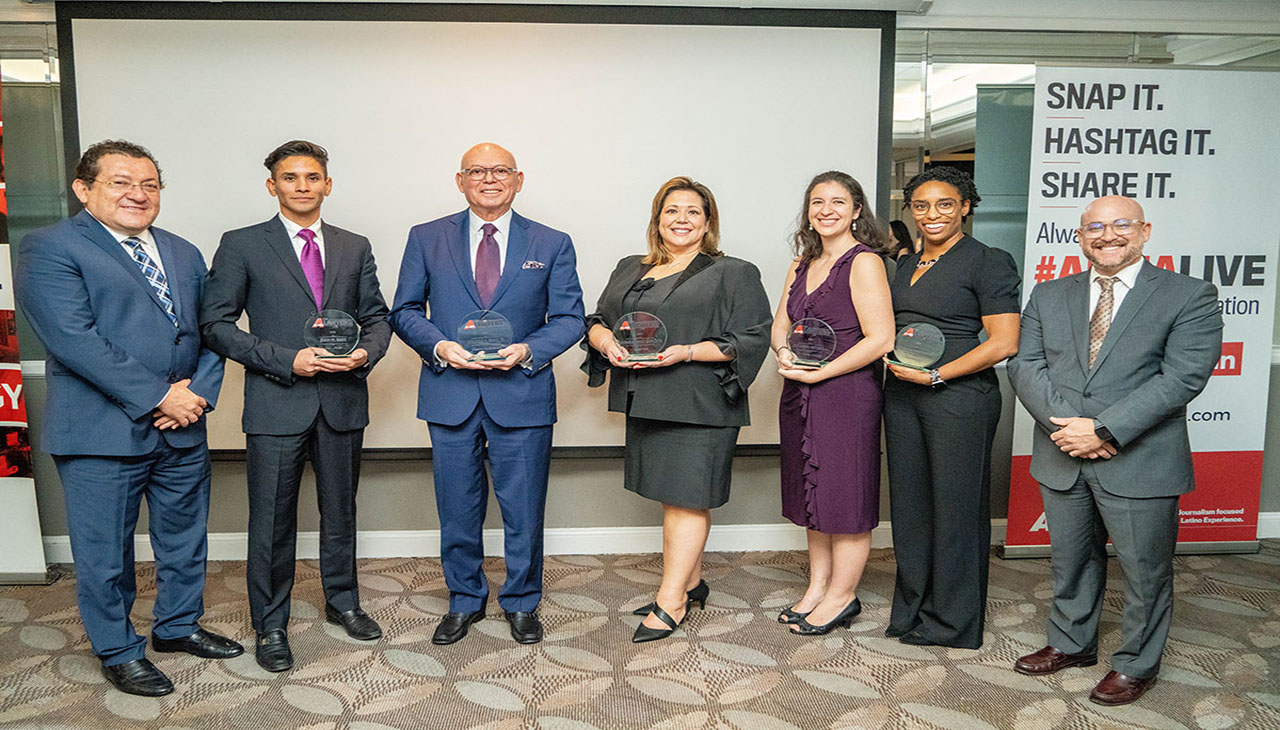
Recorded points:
(489, 258)
(115, 302)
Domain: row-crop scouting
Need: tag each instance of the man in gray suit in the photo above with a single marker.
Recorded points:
(1107, 362)
(298, 405)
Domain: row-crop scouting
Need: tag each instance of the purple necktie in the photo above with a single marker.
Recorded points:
(488, 265)
(312, 266)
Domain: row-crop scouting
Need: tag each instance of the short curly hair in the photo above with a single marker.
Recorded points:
(956, 178)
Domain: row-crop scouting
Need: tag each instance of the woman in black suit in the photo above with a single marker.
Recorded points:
(684, 408)
(939, 423)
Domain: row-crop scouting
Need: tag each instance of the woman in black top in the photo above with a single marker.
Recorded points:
(939, 423)
(684, 409)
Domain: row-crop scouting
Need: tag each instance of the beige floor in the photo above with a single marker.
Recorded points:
(731, 666)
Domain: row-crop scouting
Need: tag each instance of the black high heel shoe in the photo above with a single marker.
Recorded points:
(698, 594)
(843, 620)
(789, 616)
(644, 633)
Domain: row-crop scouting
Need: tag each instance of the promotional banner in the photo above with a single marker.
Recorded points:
(21, 547)
(1193, 147)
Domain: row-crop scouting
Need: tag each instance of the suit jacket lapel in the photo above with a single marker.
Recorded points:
(334, 248)
(1143, 286)
(700, 262)
(517, 247)
(277, 239)
(1078, 312)
(460, 248)
(98, 234)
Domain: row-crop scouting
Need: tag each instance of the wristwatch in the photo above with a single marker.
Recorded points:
(1104, 433)
(935, 379)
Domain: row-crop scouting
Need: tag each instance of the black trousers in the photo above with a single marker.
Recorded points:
(938, 446)
(274, 470)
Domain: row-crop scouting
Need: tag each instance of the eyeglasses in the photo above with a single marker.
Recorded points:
(124, 186)
(501, 172)
(946, 206)
(1122, 227)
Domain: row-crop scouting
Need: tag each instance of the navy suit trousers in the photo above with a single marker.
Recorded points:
(103, 495)
(520, 460)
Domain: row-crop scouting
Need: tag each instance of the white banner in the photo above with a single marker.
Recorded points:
(1194, 147)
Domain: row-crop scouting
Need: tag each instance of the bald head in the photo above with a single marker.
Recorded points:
(487, 153)
(1112, 233)
(489, 180)
(1118, 206)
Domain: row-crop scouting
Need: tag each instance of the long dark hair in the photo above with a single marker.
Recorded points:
(902, 238)
(867, 230)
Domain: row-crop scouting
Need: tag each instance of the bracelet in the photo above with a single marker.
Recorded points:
(690, 353)
(780, 349)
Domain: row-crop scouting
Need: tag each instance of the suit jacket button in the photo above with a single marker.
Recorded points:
(177, 340)
(1087, 394)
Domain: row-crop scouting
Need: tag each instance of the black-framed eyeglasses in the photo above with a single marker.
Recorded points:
(501, 172)
(946, 206)
(1122, 227)
(149, 187)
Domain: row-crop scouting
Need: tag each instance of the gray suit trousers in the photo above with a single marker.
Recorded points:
(1144, 533)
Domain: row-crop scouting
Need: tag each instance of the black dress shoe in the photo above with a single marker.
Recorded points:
(204, 644)
(357, 623)
(273, 653)
(138, 677)
(790, 616)
(843, 619)
(697, 594)
(454, 626)
(644, 633)
(525, 626)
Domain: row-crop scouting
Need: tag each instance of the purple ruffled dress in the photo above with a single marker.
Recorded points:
(830, 431)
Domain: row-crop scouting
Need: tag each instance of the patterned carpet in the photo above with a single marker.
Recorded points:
(730, 666)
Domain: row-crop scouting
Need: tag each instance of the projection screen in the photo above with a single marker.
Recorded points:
(597, 114)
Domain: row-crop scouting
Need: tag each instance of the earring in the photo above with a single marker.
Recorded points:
(854, 225)
(811, 226)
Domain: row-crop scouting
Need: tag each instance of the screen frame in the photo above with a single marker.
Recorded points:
(884, 21)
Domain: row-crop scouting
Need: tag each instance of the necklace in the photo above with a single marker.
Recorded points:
(925, 264)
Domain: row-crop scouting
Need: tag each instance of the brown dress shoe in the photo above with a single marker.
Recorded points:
(1049, 660)
(1120, 689)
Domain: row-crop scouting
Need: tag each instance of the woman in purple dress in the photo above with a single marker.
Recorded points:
(830, 414)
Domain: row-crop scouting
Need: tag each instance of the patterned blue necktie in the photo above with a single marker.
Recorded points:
(154, 275)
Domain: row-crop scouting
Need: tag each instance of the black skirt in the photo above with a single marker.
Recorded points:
(680, 464)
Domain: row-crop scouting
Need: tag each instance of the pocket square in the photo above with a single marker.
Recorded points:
(533, 265)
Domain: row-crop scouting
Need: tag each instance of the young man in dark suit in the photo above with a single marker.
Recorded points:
(300, 402)
(115, 302)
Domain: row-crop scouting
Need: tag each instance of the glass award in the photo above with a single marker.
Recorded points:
(482, 333)
(918, 346)
(642, 335)
(332, 330)
(812, 343)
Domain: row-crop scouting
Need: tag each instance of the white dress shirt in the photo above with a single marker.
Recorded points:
(148, 244)
(474, 224)
(292, 229)
(1125, 279)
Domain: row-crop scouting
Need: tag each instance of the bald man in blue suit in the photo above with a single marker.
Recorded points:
(489, 257)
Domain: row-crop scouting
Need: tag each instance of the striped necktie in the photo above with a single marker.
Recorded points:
(1100, 323)
(154, 276)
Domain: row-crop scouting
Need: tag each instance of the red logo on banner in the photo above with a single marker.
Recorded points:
(1232, 355)
(13, 406)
